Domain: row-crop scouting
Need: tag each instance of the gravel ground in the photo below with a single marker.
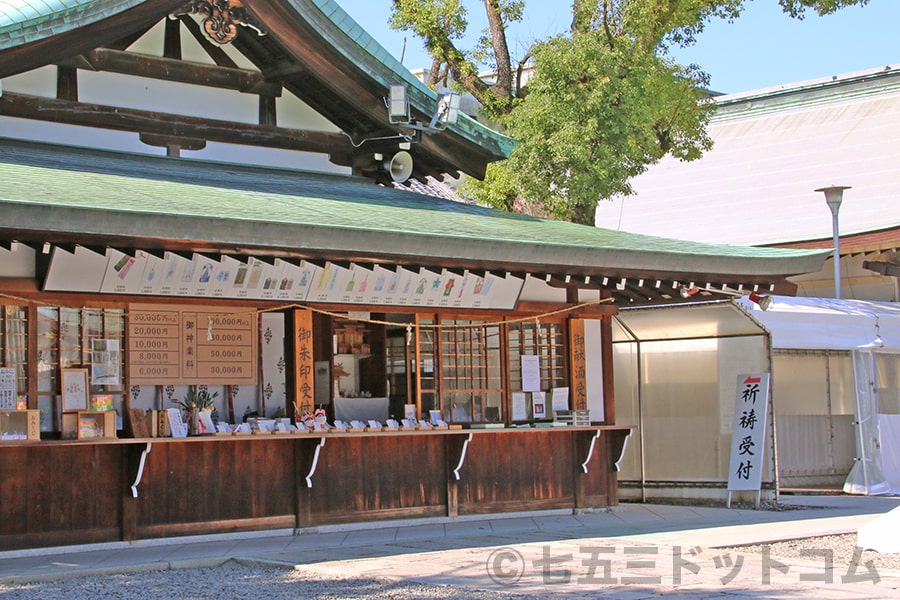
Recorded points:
(235, 581)
(842, 549)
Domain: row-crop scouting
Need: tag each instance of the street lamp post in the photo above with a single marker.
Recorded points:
(833, 196)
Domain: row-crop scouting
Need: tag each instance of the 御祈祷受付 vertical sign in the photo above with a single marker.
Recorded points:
(748, 432)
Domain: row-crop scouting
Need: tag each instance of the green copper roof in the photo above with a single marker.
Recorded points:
(64, 190)
(420, 94)
(25, 21)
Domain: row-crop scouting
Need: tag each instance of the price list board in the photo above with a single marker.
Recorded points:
(189, 345)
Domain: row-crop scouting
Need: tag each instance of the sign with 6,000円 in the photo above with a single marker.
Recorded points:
(748, 432)
(189, 345)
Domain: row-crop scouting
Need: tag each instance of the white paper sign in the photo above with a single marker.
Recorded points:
(748, 432)
(105, 362)
(560, 398)
(531, 373)
(7, 389)
(519, 406)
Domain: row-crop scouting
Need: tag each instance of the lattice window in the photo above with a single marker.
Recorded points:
(427, 364)
(65, 337)
(546, 340)
(471, 372)
(14, 343)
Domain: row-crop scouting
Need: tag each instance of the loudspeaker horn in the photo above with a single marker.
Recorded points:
(400, 166)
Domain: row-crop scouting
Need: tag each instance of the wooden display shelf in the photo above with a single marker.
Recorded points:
(88, 424)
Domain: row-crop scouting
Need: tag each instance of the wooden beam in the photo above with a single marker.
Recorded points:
(173, 145)
(170, 69)
(167, 124)
(172, 39)
(268, 114)
(67, 83)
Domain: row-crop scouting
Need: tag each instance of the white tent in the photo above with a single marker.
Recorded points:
(829, 324)
(675, 371)
(870, 331)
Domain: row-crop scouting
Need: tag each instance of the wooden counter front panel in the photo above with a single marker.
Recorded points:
(208, 487)
(57, 496)
(510, 471)
(370, 478)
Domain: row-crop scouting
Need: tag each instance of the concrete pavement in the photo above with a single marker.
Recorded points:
(631, 551)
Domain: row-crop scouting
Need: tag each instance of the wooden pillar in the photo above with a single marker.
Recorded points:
(609, 388)
(302, 493)
(454, 447)
(302, 348)
(131, 460)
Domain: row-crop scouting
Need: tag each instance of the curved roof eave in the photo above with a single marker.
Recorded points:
(347, 37)
(29, 31)
(97, 193)
(31, 23)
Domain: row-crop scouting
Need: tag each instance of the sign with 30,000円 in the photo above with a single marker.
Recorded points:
(189, 345)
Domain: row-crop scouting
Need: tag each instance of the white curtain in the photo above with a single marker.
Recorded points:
(867, 477)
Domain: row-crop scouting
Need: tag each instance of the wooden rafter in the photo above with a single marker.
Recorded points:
(169, 69)
(168, 124)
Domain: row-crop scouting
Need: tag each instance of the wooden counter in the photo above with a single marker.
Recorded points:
(75, 492)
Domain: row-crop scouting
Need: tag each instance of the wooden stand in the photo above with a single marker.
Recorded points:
(20, 425)
(87, 424)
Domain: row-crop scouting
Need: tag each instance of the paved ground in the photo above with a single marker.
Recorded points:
(632, 551)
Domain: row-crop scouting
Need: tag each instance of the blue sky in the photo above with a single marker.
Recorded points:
(763, 48)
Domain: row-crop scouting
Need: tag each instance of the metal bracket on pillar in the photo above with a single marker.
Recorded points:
(315, 461)
(140, 471)
(462, 456)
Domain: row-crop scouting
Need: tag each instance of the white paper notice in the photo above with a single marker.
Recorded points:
(560, 398)
(531, 373)
(519, 406)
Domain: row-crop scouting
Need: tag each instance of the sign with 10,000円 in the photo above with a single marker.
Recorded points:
(189, 345)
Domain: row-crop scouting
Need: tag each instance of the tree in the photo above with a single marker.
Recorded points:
(797, 8)
(603, 102)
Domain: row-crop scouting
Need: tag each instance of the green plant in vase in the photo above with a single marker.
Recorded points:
(194, 402)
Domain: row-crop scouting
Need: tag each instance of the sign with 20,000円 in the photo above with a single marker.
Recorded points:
(190, 345)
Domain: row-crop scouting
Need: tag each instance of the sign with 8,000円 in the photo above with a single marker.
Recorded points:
(189, 345)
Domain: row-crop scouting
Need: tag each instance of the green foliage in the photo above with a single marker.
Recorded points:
(197, 398)
(596, 114)
(603, 104)
(797, 8)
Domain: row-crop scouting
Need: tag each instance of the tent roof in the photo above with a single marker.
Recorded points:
(828, 324)
(699, 320)
(794, 323)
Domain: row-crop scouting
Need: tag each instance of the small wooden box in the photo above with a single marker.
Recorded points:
(20, 425)
(88, 424)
